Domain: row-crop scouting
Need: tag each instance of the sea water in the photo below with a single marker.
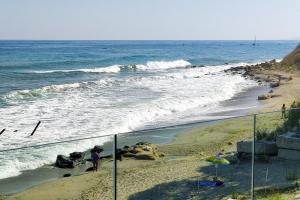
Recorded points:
(91, 88)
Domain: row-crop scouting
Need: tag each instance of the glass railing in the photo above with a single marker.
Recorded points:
(277, 160)
(201, 160)
(180, 162)
(58, 172)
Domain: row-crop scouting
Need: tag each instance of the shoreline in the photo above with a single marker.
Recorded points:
(49, 173)
(284, 90)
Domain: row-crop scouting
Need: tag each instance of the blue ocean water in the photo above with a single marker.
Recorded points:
(93, 88)
(19, 58)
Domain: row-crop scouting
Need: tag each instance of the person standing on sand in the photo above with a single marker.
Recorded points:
(95, 158)
(283, 112)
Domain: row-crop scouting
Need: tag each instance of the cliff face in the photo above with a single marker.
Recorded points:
(293, 59)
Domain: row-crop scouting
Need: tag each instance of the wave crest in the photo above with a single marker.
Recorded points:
(150, 65)
(157, 65)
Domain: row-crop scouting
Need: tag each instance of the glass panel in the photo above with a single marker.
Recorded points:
(55, 172)
(277, 160)
(196, 161)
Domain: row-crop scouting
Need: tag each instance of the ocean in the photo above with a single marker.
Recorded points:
(91, 88)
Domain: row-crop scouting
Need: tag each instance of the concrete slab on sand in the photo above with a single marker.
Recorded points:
(289, 140)
(289, 154)
(263, 147)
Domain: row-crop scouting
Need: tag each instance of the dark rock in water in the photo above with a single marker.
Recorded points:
(77, 158)
(89, 169)
(64, 162)
(76, 155)
(67, 175)
(226, 63)
(274, 84)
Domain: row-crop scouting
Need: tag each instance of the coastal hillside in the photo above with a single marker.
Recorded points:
(292, 59)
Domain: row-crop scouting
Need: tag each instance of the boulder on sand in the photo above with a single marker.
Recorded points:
(141, 151)
(75, 158)
(64, 162)
(263, 97)
(274, 84)
(76, 155)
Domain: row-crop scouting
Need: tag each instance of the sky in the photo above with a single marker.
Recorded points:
(149, 19)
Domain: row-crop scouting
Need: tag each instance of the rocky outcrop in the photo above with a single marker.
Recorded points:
(75, 159)
(267, 96)
(141, 151)
(292, 59)
(64, 162)
(275, 84)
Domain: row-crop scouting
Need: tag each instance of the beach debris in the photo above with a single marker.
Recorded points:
(35, 128)
(2, 131)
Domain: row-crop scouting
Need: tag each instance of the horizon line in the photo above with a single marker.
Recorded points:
(147, 39)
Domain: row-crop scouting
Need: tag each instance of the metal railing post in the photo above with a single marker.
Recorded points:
(115, 168)
(253, 158)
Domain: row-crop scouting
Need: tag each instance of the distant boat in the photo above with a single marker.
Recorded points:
(254, 42)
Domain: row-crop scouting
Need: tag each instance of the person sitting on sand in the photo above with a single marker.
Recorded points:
(95, 158)
(283, 111)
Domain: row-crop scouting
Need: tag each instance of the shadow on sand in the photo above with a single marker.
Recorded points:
(237, 179)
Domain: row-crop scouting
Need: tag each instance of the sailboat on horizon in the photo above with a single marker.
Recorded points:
(254, 42)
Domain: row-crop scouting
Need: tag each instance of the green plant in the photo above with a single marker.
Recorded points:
(235, 195)
(293, 117)
(264, 134)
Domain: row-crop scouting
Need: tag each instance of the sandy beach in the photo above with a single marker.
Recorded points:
(175, 176)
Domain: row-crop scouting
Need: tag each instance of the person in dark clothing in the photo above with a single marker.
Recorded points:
(283, 111)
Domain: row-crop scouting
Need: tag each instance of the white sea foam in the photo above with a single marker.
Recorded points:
(110, 69)
(108, 106)
(158, 65)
